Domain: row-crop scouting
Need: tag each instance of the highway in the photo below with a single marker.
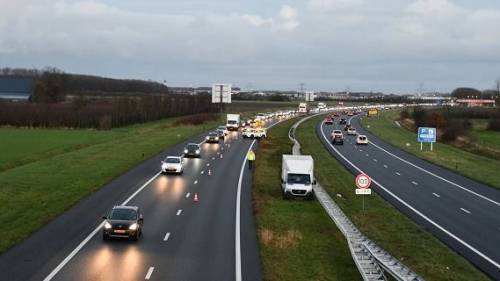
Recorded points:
(462, 213)
(183, 239)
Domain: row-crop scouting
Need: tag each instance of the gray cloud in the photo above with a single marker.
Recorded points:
(385, 45)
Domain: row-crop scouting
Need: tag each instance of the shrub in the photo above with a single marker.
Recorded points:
(404, 114)
(455, 128)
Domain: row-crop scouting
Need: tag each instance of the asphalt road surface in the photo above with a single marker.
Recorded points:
(182, 239)
(462, 213)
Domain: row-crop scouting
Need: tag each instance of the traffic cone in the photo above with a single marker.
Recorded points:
(209, 172)
(196, 197)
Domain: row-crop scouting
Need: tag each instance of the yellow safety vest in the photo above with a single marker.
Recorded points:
(251, 156)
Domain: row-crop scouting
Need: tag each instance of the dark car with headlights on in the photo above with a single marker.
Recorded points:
(192, 150)
(123, 222)
(212, 137)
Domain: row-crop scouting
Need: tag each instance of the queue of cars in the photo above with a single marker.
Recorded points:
(127, 221)
(337, 137)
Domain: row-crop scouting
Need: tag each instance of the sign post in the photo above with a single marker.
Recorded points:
(426, 135)
(363, 182)
(221, 93)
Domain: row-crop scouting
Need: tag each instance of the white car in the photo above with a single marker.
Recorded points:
(351, 131)
(260, 116)
(362, 139)
(172, 164)
(254, 133)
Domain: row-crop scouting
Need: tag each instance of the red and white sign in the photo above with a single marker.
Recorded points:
(363, 183)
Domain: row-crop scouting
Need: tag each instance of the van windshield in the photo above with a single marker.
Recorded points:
(232, 122)
(298, 179)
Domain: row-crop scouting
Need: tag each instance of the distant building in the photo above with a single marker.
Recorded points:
(475, 103)
(16, 88)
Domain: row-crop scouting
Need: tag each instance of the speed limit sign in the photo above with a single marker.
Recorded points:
(363, 181)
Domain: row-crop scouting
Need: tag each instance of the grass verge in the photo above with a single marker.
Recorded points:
(476, 167)
(381, 222)
(34, 193)
(298, 241)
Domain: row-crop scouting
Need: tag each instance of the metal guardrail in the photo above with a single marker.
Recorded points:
(372, 261)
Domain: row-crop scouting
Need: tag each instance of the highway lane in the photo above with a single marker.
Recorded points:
(183, 239)
(460, 212)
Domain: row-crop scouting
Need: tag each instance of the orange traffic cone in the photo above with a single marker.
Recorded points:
(196, 197)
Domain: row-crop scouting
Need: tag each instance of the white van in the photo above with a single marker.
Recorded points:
(297, 176)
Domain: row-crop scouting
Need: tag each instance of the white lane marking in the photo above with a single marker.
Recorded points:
(179, 212)
(414, 182)
(367, 155)
(361, 150)
(398, 173)
(437, 176)
(208, 164)
(196, 182)
(97, 229)
(166, 236)
(465, 210)
(438, 226)
(437, 195)
(202, 172)
(385, 166)
(148, 274)
(237, 235)
(213, 158)
(188, 194)
(375, 160)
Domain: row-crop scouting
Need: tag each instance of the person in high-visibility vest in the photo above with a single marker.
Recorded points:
(251, 158)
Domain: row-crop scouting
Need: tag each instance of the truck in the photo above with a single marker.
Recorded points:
(321, 106)
(233, 122)
(297, 176)
(372, 112)
(302, 107)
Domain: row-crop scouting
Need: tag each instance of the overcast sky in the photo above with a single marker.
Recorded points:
(361, 45)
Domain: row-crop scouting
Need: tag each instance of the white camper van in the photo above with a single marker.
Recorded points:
(233, 122)
(321, 106)
(297, 176)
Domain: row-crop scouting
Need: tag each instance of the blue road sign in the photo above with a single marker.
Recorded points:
(426, 134)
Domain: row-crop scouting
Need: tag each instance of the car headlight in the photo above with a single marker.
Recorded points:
(197, 151)
(133, 226)
(164, 166)
(107, 225)
(207, 138)
(216, 138)
(185, 151)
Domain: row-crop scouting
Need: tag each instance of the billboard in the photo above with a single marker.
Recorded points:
(221, 90)
(372, 112)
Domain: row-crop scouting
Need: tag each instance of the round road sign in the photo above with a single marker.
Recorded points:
(363, 181)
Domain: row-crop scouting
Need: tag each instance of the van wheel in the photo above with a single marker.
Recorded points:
(285, 195)
(310, 196)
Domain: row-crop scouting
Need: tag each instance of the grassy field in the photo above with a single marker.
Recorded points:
(298, 241)
(66, 165)
(381, 222)
(483, 137)
(469, 164)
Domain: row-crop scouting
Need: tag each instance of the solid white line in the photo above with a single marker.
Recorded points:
(188, 194)
(435, 194)
(465, 210)
(397, 173)
(482, 255)
(437, 176)
(97, 229)
(414, 183)
(166, 236)
(148, 274)
(179, 212)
